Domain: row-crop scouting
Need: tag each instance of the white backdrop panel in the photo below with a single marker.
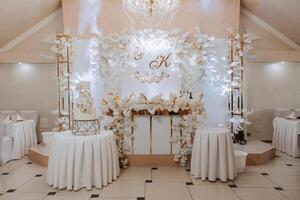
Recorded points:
(161, 134)
(165, 87)
(143, 66)
(142, 135)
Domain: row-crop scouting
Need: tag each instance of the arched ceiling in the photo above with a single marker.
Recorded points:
(17, 16)
(283, 15)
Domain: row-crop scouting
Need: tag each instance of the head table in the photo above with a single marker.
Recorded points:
(83, 161)
(213, 155)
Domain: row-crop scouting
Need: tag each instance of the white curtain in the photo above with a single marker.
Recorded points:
(89, 10)
(215, 103)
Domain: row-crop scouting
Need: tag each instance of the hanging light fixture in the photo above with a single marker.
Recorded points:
(151, 10)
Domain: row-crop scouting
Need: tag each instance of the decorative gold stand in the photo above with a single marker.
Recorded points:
(236, 99)
(86, 127)
(63, 67)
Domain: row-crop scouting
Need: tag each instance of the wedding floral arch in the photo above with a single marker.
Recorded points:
(113, 57)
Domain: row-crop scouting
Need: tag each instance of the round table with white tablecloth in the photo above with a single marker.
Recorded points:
(286, 136)
(213, 155)
(24, 137)
(83, 161)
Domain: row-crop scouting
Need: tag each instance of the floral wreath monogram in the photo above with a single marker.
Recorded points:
(160, 61)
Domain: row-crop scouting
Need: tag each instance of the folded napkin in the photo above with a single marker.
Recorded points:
(7, 120)
(19, 118)
(291, 116)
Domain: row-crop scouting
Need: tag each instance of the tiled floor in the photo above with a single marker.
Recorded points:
(278, 179)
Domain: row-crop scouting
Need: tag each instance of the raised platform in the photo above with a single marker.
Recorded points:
(258, 154)
(152, 160)
(39, 154)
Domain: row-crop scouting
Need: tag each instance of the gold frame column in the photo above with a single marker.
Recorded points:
(63, 56)
(236, 102)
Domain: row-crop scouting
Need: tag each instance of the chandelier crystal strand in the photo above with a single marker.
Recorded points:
(151, 10)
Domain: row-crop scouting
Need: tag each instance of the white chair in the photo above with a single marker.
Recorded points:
(48, 137)
(282, 112)
(6, 149)
(6, 143)
(29, 114)
(4, 114)
(1, 187)
(297, 112)
(6, 146)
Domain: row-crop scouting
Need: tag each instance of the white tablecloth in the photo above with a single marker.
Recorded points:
(213, 155)
(286, 136)
(24, 137)
(83, 161)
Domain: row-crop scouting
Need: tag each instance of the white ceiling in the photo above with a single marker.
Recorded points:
(17, 16)
(283, 15)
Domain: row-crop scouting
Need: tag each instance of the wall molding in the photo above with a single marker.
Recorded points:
(270, 29)
(30, 31)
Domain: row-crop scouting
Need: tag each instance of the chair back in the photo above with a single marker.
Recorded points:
(282, 112)
(11, 114)
(297, 112)
(29, 115)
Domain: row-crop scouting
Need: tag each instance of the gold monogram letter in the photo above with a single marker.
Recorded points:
(160, 61)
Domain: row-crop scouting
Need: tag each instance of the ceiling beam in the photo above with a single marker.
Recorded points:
(270, 29)
(29, 32)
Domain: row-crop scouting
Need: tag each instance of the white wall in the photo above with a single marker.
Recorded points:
(269, 86)
(29, 87)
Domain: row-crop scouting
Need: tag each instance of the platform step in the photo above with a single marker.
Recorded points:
(258, 154)
(39, 154)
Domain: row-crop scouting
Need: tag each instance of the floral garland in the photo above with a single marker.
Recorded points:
(150, 78)
(119, 114)
(240, 45)
(112, 57)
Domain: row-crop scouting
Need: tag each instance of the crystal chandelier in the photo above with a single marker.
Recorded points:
(151, 10)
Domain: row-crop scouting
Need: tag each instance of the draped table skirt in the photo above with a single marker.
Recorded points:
(213, 155)
(83, 161)
(286, 136)
(24, 137)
